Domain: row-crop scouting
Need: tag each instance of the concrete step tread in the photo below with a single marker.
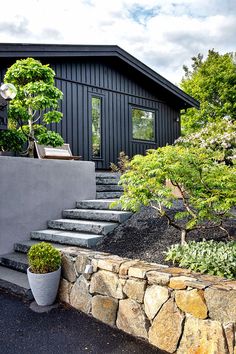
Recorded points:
(108, 195)
(96, 204)
(98, 215)
(85, 222)
(109, 188)
(15, 256)
(100, 211)
(107, 175)
(72, 234)
(66, 237)
(24, 246)
(15, 282)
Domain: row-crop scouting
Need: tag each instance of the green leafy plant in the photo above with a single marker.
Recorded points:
(122, 164)
(207, 189)
(43, 258)
(215, 258)
(11, 140)
(50, 138)
(37, 97)
(213, 83)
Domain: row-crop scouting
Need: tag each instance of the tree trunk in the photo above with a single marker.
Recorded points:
(183, 237)
(31, 139)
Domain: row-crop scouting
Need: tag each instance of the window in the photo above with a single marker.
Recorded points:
(96, 126)
(143, 124)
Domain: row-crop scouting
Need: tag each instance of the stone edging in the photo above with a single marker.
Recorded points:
(172, 308)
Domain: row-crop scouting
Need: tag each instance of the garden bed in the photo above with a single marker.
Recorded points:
(147, 237)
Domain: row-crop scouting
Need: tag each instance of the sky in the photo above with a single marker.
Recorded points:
(163, 34)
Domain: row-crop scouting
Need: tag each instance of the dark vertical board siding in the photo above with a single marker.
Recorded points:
(116, 125)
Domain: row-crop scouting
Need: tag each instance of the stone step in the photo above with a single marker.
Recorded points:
(15, 282)
(24, 246)
(111, 175)
(66, 238)
(93, 227)
(102, 204)
(109, 181)
(102, 215)
(15, 260)
(109, 188)
(108, 195)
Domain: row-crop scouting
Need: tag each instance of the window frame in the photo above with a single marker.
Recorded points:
(101, 97)
(147, 109)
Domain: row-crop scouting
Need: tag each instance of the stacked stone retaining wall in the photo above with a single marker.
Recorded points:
(172, 308)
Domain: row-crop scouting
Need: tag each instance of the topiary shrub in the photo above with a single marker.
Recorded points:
(215, 258)
(43, 258)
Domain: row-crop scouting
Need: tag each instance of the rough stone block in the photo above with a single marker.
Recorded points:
(68, 268)
(179, 282)
(221, 304)
(155, 297)
(158, 278)
(166, 328)
(106, 283)
(81, 262)
(80, 298)
(229, 329)
(202, 336)
(140, 269)
(135, 289)
(104, 308)
(131, 318)
(111, 264)
(192, 301)
(64, 291)
(124, 268)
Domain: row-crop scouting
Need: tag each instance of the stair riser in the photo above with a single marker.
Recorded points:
(108, 181)
(16, 289)
(109, 188)
(104, 175)
(21, 267)
(66, 240)
(98, 204)
(18, 247)
(95, 216)
(93, 229)
(108, 195)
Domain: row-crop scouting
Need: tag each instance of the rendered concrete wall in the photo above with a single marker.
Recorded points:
(33, 191)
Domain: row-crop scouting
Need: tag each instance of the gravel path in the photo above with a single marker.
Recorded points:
(147, 237)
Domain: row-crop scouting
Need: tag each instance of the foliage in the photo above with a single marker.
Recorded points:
(213, 83)
(215, 258)
(207, 188)
(11, 140)
(43, 258)
(50, 138)
(37, 97)
(96, 126)
(122, 164)
(218, 137)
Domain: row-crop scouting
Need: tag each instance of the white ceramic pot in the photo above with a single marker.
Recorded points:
(44, 286)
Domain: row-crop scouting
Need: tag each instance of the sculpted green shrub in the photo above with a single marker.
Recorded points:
(215, 258)
(11, 140)
(43, 258)
(207, 189)
(37, 98)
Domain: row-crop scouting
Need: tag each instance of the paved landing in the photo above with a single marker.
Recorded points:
(60, 331)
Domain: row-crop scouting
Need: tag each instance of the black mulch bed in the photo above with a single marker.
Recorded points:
(147, 237)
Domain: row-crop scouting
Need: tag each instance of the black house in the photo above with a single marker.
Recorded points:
(112, 101)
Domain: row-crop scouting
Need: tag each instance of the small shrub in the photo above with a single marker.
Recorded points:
(215, 258)
(11, 140)
(50, 138)
(122, 164)
(44, 258)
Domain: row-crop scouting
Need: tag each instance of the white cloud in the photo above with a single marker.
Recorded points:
(164, 34)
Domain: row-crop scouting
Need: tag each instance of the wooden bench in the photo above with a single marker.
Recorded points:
(57, 153)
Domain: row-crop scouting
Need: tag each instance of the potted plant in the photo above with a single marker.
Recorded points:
(11, 142)
(44, 272)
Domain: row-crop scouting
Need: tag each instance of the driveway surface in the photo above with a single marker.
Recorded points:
(60, 331)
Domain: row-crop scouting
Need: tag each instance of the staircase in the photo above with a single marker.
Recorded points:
(82, 226)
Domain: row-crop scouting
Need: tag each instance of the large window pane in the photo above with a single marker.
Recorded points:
(96, 126)
(143, 124)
